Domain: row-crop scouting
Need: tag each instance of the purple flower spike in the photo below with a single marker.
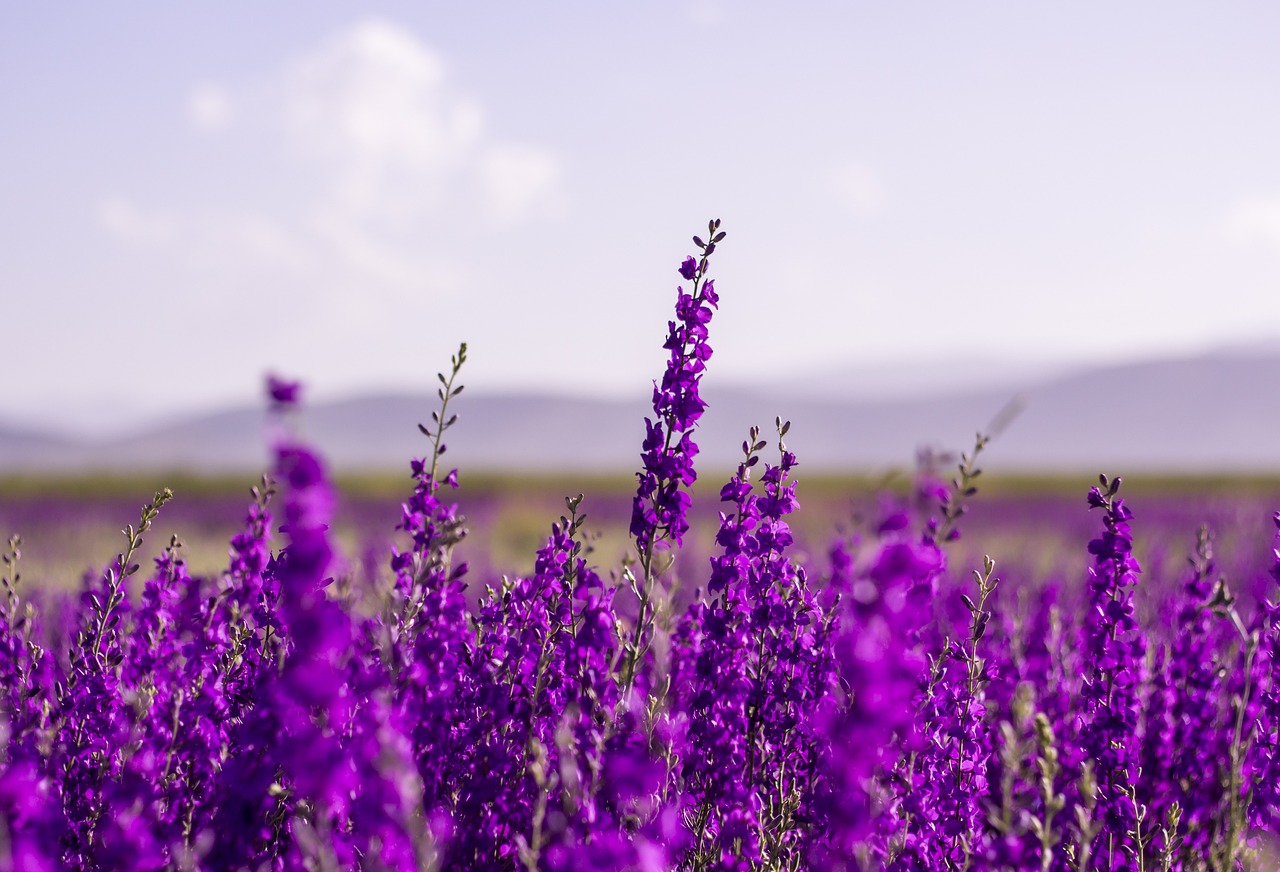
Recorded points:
(1114, 673)
(660, 508)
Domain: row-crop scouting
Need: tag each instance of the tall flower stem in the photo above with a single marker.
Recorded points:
(442, 419)
(660, 507)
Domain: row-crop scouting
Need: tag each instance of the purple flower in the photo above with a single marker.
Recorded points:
(660, 508)
(1115, 647)
(28, 819)
(282, 393)
(880, 667)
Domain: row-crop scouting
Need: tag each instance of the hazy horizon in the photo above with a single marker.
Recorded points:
(885, 380)
(198, 196)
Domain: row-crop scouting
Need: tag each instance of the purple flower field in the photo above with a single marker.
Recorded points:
(873, 693)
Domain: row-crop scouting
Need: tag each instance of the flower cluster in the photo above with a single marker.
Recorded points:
(751, 694)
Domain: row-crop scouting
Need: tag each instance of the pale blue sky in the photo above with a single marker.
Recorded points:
(193, 195)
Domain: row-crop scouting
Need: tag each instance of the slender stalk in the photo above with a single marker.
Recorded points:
(675, 429)
(123, 568)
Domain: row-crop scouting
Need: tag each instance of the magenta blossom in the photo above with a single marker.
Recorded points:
(283, 393)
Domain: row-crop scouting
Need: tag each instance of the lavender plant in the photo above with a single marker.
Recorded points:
(659, 513)
(873, 712)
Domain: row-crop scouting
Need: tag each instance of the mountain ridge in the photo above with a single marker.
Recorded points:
(1210, 412)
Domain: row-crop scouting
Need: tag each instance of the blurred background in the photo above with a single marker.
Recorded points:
(1058, 222)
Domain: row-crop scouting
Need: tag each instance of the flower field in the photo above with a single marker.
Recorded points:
(745, 690)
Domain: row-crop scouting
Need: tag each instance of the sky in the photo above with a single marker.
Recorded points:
(193, 195)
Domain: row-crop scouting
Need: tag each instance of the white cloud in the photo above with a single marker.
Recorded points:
(365, 159)
(273, 243)
(366, 254)
(1255, 221)
(857, 187)
(126, 222)
(373, 109)
(375, 94)
(209, 107)
(397, 149)
(516, 181)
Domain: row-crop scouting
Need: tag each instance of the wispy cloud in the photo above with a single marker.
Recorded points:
(387, 151)
(273, 243)
(517, 181)
(368, 255)
(130, 224)
(373, 108)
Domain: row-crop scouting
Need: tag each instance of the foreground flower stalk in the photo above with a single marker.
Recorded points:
(659, 513)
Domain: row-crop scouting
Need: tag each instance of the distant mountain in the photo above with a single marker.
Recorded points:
(1213, 412)
(920, 379)
(26, 447)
